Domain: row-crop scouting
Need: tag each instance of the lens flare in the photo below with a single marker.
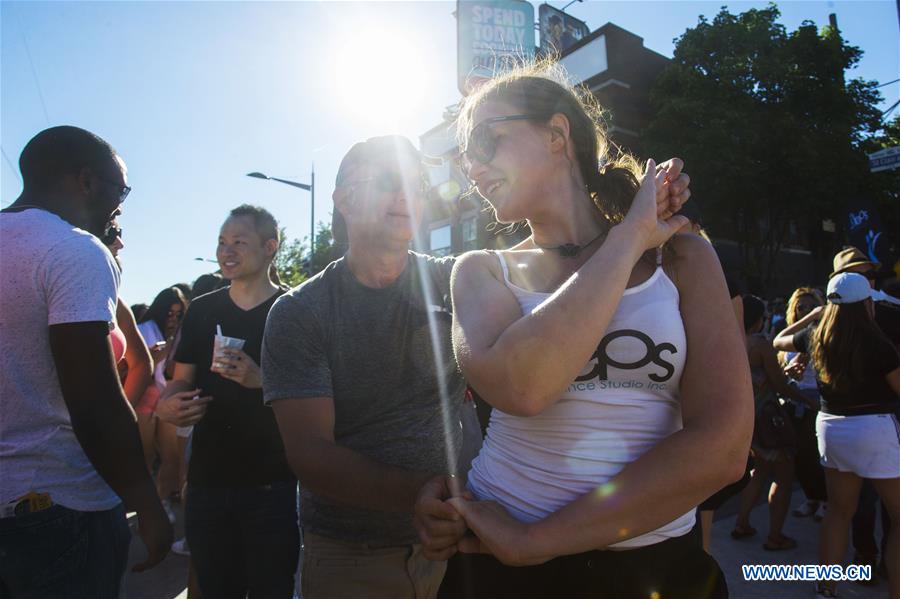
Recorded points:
(605, 490)
(413, 199)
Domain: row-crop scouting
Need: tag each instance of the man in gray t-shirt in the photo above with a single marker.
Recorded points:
(358, 367)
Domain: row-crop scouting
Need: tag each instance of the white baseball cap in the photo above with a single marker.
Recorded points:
(851, 287)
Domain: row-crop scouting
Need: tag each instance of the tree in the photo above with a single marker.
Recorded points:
(292, 261)
(770, 130)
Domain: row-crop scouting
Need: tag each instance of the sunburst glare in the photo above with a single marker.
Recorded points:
(381, 78)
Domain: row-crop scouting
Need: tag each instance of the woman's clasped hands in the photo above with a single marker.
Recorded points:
(449, 520)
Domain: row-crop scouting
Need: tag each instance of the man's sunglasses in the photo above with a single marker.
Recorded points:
(389, 181)
(481, 146)
(124, 190)
(110, 236)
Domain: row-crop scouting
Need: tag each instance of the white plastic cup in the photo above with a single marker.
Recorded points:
(221, 342)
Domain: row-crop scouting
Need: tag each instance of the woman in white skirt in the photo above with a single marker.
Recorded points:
(858, 370)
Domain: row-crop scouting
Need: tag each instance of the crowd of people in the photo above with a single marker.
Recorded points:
(630, 384)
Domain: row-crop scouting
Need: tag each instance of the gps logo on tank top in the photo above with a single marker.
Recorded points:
(652, 354)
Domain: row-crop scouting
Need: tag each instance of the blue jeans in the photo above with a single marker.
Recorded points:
(244, 540)
(63, 553)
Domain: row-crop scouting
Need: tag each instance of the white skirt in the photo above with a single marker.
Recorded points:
(868, 446)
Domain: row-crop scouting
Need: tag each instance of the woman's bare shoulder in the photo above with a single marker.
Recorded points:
(477, 263)
(687, 246)
(690, 258)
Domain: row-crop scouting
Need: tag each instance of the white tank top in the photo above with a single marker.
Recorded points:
(624, 402)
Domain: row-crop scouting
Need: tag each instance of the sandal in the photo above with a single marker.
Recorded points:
(783, 543)
(742, 532)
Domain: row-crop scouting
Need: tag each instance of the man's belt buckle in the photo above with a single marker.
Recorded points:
(27, 504)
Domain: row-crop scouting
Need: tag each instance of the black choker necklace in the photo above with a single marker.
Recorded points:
(570, 250)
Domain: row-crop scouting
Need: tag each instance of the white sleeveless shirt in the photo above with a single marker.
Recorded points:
(625, 401)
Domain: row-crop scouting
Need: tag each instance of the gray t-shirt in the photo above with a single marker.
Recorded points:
(374, 353)
(51, 273)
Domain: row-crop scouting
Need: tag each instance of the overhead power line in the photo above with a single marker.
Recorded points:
(10, 164)
(37, 82)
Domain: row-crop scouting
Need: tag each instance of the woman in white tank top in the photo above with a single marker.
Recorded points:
(616, 371)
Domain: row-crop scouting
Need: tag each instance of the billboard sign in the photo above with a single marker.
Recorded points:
(492, 36)
(559, 31)
(866, 232)
(884, 160)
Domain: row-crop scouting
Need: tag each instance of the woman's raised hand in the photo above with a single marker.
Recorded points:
(651, 221)
(676, 191)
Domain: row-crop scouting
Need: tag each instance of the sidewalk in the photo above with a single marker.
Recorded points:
(168, 580)
(732, 554)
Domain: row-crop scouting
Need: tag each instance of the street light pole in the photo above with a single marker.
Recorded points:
(312, 213)
(311, 188)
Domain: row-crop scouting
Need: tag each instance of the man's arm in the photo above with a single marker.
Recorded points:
(335, 472)
(104, 425)
(177, 405)
(297, 377)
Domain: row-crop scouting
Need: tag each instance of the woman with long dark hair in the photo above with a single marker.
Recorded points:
(858, 370)
(599, 445)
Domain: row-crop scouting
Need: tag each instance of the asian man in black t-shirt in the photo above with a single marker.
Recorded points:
(241, 511)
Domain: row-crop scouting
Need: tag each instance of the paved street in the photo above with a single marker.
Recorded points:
(169, 579)
(165, 581)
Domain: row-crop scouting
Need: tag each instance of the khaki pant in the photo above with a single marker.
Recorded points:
(338, 570)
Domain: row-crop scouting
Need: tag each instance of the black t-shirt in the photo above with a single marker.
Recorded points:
(237, 443)
(870, 394)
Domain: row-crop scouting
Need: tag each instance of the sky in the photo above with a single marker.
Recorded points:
(195, 95)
